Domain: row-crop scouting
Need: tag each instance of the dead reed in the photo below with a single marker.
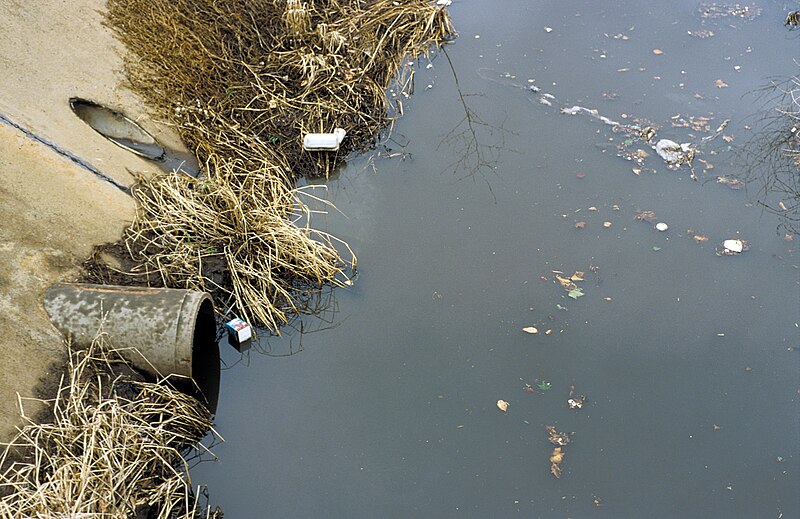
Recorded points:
(113, 449)
(245, 238)
(243, 81)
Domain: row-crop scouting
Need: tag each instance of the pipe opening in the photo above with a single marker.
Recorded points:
(117, 128)
(205, 356)
(127, 134)
(160, 331)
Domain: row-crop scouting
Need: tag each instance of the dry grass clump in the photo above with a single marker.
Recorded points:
(113, 449)
(272, 70)
(243, 81)
(245, 238)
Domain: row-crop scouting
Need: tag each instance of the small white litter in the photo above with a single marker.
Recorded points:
(674, 154)
(238, 331)
(734, 246)
(661, 226)
(324, 141)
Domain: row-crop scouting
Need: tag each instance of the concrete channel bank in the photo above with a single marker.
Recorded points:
(52, 209)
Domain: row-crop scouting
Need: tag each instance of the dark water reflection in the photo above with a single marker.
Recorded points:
(689, 360)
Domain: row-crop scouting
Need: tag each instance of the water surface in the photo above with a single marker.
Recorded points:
(688, 360)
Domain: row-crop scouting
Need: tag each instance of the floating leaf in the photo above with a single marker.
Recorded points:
(531, 329)
(656, 248)
(555, 460)
(576, 293)
(700, 238)
(555, 437)
(503, 405)
(720, 83)
(731, 182)
(646, 216)
(577, 276)
(566, 283)
(544, 385)
(658, 52)
(580, 225)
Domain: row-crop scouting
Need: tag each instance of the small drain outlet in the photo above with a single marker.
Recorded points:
(117, 128)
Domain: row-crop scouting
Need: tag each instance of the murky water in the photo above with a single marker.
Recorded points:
(688, 361)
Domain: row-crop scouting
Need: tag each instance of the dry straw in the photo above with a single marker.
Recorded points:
(113, 449)
(243, 81)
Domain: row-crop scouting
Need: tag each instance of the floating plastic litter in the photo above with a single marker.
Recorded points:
(239, 332)
(324, 141)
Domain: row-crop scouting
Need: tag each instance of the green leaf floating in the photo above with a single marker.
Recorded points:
(576, 293)
(544, 385)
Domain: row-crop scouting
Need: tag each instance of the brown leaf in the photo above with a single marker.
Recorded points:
(721, 84)
(555, 460)
(731, 182)
(502, 405)
(647, 216)
(577, 276)
(706, 164)
(555, 437)
(580, 225)
(700, 238)
(557, 456)
(566, 283)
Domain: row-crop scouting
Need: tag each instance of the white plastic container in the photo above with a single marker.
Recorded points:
(324, 141)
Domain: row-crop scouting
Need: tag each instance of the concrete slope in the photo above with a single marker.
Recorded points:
(52, 210)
